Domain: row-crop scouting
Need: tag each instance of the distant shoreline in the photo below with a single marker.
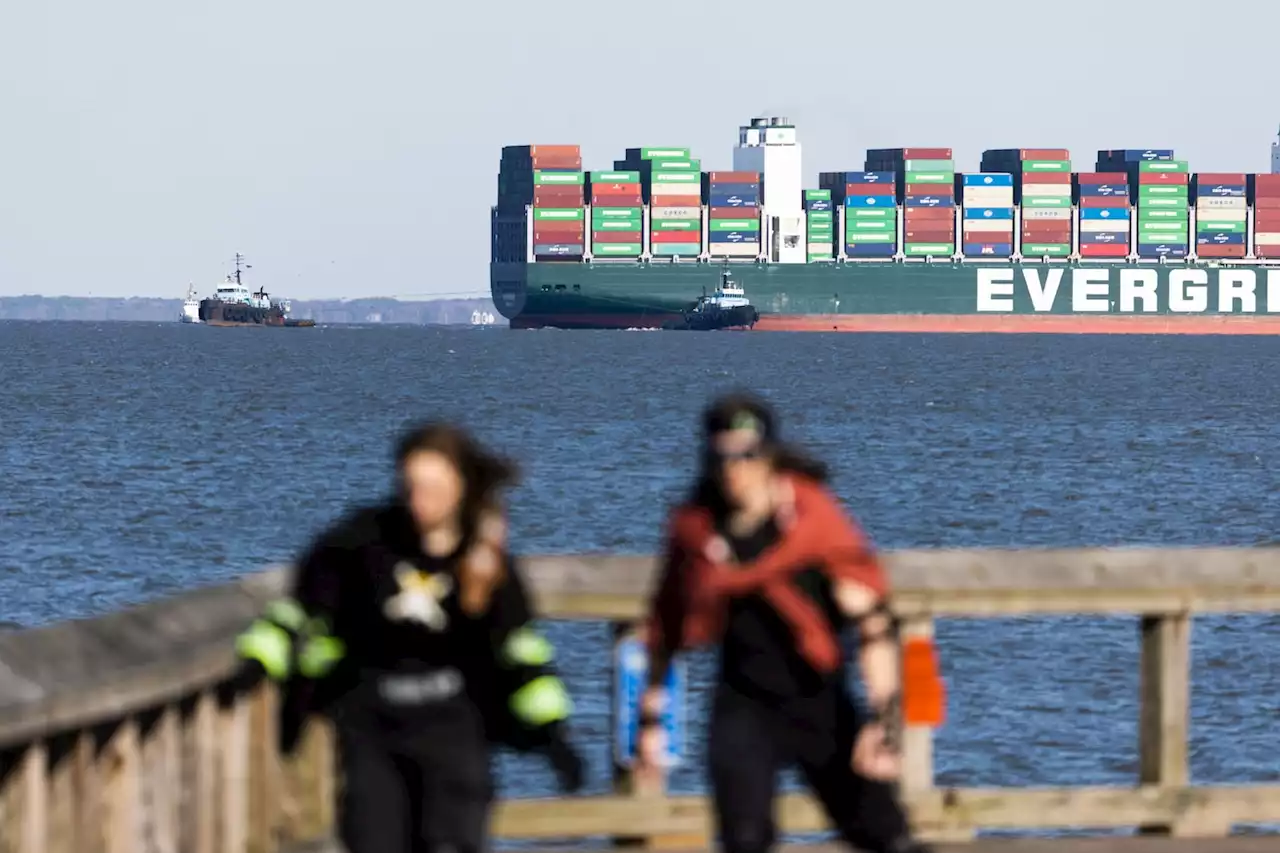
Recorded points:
(371, 311)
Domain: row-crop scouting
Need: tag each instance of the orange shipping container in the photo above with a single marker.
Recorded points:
(615, 237)
(690, 236)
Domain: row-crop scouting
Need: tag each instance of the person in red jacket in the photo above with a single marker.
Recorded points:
(762, 560)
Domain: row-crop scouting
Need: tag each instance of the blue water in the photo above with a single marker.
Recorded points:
(138, 460)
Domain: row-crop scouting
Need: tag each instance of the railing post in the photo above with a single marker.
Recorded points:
(1164, 721)
(917, 741)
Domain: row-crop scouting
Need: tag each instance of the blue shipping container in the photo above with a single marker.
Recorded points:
(870, 250)
(930, 201)
(731, 201)
(869, 201)
(1134, 155)
(989, 179)
(1221, 190)
(733, 237)
(869, 177)
(988, 213)
(558, 249)
(1104, 212)
(818, 204)
(1162, 250)
(1103, 238)
(1219, 238)
(987, 250)
(1103, 190)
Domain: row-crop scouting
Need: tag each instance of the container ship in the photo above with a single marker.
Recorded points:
(1027, 243)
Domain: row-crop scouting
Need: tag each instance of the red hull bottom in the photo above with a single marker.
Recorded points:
(1044, 324)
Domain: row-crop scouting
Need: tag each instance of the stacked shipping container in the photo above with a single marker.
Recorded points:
(870, 211)
(1266, 216)
(671, 182)
(926, 187)
(617, 214)
(733, 214)
(550, 179)
(1222, 215)
(1160, 194)
(1042, 187)
(987, 214)
(819, 218)
(1103, 199)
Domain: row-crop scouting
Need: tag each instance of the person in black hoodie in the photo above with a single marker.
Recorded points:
(409, 625)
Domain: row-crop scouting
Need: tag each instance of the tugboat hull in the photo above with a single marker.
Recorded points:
(739, 317)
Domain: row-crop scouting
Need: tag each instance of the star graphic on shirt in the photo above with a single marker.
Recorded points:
(419, 597)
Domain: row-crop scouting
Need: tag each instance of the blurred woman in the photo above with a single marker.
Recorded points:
(409, 625)
(762, 561)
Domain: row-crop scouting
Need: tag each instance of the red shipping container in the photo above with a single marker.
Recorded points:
(1220, 177)
(549, 161)
(1269, 252)
(1265, 194)
(557, 194)
(734, 177)
(1054, 178)
(616, 189)
(559, 204)
(1267, 225)
(929, 237)
(559, 232)
(926, 154)
(930, 189)
(733, 213)
(1092, 179)
(677, 201)
(877, 188)
(693, 235)
(930, 214)
(1105, 250)
(1220, 251)
(615, 237)
(616, 200)
(556, 150)
(1095, 201)
(1176, 178)
(1047, 226)
(1262, 203)
(1044, 154)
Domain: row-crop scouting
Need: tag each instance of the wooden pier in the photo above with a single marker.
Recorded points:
(122, 734)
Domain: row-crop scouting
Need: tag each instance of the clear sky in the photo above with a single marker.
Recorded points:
(351, 149)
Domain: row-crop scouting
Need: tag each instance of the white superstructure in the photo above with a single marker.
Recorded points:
(771, 147)
(1275, 156)
(190, 306)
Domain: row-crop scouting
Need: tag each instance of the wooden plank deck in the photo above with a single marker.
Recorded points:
(1127, 844)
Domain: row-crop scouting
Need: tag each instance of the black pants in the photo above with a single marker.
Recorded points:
(424, 792)
(750, 742)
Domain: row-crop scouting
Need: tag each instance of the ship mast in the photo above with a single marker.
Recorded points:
(239, 264)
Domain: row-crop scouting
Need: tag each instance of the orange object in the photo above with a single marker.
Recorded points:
(924, 695)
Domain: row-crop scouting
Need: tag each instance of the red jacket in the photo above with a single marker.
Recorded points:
(688, 607)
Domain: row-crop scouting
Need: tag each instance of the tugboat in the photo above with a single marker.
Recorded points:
(190, 307)
(233, 305)
(726, 308)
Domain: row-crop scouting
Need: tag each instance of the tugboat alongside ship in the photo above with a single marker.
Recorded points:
(232, 304)
(726, 308)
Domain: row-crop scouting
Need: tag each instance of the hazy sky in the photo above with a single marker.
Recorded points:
(350, 149)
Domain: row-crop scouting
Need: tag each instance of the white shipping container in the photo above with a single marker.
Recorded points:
(1046, 190)
(821, 247)
(1271, 238)
(1104, 226)
(1218, 215)
(677, 213)
(988, 197)
(748, 249)
(1046, 213)
(1004, 226)
(1222, 203)
(676, 189)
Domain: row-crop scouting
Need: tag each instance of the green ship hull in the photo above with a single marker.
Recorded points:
(942, 297)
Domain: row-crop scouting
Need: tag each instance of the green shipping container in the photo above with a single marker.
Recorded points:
(871, 237)
(666, 153)
(616, 225)
(861, 225)
(931, 177)
(852, 213)
(615, 177)
(676, 165)
(1039, 250)
(541, 179)
(1046, 201)
(681, 249)
(822, 216)
(929, 166)
(614, 212)
(1162, 191)
(922, 249)
(1045, 166)
(1163, 166)
(734, 225)
(821, 227)
(615, 249)
(1207, 225)
(677, 177)
(675, 224)
(1161, 201)
(818, 195)
(574, 214)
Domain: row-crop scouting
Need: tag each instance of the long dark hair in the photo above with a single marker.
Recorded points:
(721, 415)
(484, 474)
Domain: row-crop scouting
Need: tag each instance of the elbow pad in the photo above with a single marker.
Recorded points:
(285, 642)
(538, 697)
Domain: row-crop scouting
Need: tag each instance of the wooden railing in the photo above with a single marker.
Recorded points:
(121, 734)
